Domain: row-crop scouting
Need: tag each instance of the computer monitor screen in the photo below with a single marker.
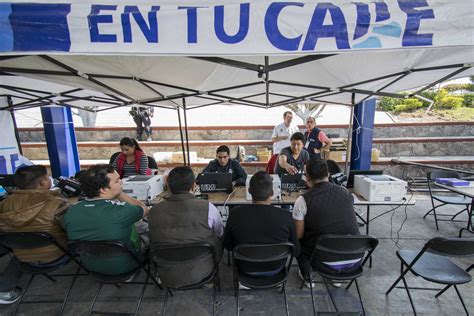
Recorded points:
(352, 173)
(215, 182)
(292, 182)
(7, 182)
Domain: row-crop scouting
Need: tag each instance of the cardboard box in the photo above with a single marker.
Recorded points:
(177, 157)
(265, 157)
(337, 156)
(375, 154)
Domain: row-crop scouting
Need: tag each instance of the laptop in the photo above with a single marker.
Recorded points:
(7, 182)
(215, 182)
(352, 173)
(292, 182)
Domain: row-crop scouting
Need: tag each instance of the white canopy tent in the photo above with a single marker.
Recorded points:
(258, 53)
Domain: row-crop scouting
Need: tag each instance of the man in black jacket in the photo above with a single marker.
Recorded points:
(260, 223)
(223, 163)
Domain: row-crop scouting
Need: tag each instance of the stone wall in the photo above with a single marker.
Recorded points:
(258, 132)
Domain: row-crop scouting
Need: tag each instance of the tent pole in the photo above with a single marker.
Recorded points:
(181, 134)
(17, 135)
(349, 135)
(186, 130)
(267, 82)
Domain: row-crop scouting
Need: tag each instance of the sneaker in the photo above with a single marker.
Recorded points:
(149, 139)
(335, 283)
(130, 279)
(243, 287)
(10, 297)
(158, 280)
(306, 281)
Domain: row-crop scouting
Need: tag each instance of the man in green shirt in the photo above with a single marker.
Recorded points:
(106, 214)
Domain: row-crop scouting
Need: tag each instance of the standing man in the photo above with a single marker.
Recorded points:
(316, 140)
(142, 117)
(106, 214)
(326, 208)
(281, 138)
(223, 163)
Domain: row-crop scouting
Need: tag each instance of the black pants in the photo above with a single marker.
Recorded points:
(11, 275)
(143, 122)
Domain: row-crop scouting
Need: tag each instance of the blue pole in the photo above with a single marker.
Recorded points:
(362, 135)
(60, 140)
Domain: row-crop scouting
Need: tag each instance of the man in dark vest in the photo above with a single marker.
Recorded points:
(325, 209)
(316, 140)
(182, 218)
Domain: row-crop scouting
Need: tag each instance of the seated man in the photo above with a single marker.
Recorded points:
(35, 208)
(293, 157)
(325, 209)
(223, 163)
(106, 214)
(31, 208)
(260, 223)
(182, 218)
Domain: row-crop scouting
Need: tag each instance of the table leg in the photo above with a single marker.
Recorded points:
(367, 220)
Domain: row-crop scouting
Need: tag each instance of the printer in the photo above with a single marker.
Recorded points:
(380, 188)
(143, 188)
(276, 188)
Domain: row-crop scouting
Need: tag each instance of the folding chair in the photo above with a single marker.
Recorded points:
(340, 245)
(432, 264)
(262, 254)
(106, 249)
(188, 253)
(453, 199)
(33, 240)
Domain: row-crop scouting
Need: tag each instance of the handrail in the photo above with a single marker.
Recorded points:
(405, 162)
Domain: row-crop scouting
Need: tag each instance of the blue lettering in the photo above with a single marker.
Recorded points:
(94, 19)
(151, 32)
(243, 24)
(411, 36)
(317, 30)
(363, 20)
(271, 27)
(192, 23)
(13, 159)
(3, 165)
(381, 12)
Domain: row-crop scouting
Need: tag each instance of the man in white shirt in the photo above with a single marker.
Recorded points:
(282, 132)
(281, 138)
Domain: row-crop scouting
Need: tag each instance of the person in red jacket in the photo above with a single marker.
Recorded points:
(132, 160)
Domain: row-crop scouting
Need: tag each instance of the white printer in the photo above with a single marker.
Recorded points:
(380, 188)
(143, 188)
(276, 188)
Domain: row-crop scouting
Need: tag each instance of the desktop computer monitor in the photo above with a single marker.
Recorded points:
(352, 173)
(292, 182)
(7, 182)
(215, 182)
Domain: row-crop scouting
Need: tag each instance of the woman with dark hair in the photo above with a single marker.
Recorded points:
(132, 160)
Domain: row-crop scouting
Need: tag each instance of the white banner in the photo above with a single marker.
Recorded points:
(199, 27)
(9, 153)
